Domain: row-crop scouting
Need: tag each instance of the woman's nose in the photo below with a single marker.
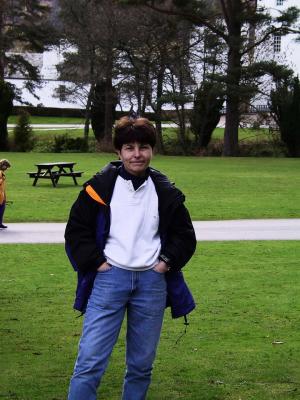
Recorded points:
(136, 152)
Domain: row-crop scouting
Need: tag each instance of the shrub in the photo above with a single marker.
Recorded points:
(285, 106)
(206, 113)
(66, 144)
(23, 135)
(262, 148)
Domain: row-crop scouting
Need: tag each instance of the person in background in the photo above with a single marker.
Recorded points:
(4, 165)
(128, 235)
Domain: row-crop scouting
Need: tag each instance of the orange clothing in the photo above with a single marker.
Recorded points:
(2, 187)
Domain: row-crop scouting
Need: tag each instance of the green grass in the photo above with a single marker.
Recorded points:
(48, 120)
(215, 188)
(244, 133)
(248, 298)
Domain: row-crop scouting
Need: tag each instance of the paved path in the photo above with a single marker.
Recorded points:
(260, 229)
(59, 127)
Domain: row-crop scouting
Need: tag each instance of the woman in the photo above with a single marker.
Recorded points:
(128, 235)
(4, 165)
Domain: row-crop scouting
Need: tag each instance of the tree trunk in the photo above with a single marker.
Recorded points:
(231, 138)
(138, 94)
(3, 132)
(6, 94)
(106, 143)
(231, 134)
(1, 41)
(87, 115)
(158, 111)
(6, 106)
(146, 89)
(108, 118)
(181, 114)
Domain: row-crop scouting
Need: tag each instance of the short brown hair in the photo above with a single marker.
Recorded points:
(129, 130)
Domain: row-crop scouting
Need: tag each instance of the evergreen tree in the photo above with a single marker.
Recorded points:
(23, 135)
(285, 106)
(24, 28)
(209, 99)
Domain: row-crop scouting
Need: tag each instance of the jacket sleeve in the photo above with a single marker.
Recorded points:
(80, 235)
(180, 242)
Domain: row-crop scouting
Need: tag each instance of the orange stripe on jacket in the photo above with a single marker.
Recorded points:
(94, 195)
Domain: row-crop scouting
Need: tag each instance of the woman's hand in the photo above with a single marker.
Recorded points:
(161, 267)
(104, 267)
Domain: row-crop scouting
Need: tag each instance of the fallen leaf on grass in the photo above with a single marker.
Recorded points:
(216, 382)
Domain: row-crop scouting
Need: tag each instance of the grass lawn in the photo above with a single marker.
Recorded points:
(48, 120)
(242, 342)
(215, 188)
(244, 133)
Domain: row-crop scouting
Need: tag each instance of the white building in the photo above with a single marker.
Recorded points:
(51, 94)
(285, 48)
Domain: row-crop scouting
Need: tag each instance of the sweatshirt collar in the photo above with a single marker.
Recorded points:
(137, 181)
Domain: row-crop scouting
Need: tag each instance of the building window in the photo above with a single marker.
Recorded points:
(62, 92)
(277, 43)
(279, 2)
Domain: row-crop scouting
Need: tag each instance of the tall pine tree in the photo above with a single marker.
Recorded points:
(25, 27)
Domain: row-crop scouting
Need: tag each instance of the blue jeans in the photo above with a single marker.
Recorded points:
(143, 295)
(2, 209)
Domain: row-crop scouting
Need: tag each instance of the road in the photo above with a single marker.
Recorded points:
(259, 229)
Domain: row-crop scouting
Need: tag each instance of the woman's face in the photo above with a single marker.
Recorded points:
(136, 157)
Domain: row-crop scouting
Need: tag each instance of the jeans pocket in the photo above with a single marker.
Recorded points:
(157, 272)
(103, 271)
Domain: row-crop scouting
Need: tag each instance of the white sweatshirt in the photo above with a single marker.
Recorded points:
(133, 242)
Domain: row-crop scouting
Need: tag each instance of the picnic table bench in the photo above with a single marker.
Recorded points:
(54, 171)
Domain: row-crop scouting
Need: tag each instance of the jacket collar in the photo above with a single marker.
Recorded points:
(104, 181)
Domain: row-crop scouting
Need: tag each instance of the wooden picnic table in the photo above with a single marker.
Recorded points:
(54, 171)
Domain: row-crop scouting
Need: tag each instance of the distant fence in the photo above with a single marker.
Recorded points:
(260, 108)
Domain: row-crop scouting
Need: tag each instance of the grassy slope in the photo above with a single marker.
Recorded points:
(247, 296)
(215, 188)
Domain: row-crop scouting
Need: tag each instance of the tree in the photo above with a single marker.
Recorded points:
(180, 80)
(199, 66)
(209, 99)
(24, 28)
(6, 106)
(23, 134)
(232, 21)
(91, 31)
(285, 107)
(98, 110)
(155, 66)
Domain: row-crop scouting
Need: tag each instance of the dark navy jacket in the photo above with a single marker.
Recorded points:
(88, 228)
